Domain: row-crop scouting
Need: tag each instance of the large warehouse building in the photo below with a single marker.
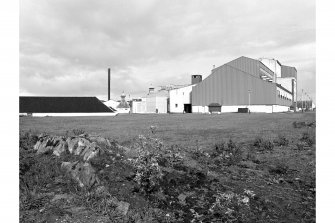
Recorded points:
(263, 85)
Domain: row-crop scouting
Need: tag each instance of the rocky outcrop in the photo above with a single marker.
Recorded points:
(83, 147)
(82, 172)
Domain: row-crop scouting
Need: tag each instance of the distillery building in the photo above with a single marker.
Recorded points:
(263, 85)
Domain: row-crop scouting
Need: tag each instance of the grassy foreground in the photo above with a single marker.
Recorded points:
(217, 168)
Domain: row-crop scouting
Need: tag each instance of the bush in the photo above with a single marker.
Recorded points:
(78, 132)
(148, 172)
(263, 144)
(282, 141)
(308, 138)
(229, 152)
(299, 124)
(27, 140)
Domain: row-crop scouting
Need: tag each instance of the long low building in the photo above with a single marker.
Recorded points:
(63, 106)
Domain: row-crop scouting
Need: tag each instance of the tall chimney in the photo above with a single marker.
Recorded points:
(109, 84)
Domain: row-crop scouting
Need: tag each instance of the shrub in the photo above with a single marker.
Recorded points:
(27, 140)
(263, 144)
(308, 138)
(78, 132)
(282, 141)
(280, 167)
(299, 124)
(148, 172)
(232, 207)
(300, 146)
(153, 129)
(230, 153)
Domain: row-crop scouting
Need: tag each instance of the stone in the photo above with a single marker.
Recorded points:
(82, 144)
(101, 191)
(102, 142)
(248, 164)
(60, 148)
(58, 197)
(121, 206)
(44, 146)
(72, 143)
(90, 152)
(182, 198)
(83, 173)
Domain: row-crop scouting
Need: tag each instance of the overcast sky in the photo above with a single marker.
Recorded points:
(66, 46)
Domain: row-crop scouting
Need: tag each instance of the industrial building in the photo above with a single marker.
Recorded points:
(153, 102)
(263, 85)
(243, 84)
(181, 98)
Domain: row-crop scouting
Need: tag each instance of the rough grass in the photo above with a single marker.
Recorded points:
(188, 130)
(212, 169)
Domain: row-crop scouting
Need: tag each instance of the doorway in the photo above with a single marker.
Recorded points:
(187, 108)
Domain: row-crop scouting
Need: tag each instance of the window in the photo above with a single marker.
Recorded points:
(176, 105)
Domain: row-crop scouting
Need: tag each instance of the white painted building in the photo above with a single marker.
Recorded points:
(181, 100)
(153, 102)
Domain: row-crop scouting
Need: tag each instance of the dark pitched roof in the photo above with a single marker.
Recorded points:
(61, 105)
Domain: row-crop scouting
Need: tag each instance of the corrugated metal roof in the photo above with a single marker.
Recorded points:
(61, 105)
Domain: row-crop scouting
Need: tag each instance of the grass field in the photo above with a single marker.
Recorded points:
(181, 129)
(204, 181)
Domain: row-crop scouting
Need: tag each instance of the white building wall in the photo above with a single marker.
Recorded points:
(151, 105)
(179, 97)
(161, 104)
(286, 82)
(139, 107)
(253, 108)
(273, 65)
(200, 109)
(156, 102)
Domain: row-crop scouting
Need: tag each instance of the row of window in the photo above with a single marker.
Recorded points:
(283, 96)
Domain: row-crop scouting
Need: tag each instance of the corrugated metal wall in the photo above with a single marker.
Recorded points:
(229, 86)
(245, 64)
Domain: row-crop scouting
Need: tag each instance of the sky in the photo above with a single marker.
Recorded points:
(66, 46)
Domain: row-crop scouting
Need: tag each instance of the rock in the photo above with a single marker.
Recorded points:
(102, 142)
(72, 143)
(82, 144)
(83, 173)
(121, 206)
(182, 198)
(90, 152)
(60, 148)
(101, 191)
(248, 164)
(58, 197)
(44, 147)
(84, 135)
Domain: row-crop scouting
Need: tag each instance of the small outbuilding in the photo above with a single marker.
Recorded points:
(214, 107)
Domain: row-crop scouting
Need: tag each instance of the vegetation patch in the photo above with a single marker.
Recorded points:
(149, 180)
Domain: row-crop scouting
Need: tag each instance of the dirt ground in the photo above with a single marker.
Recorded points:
(210, 168)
